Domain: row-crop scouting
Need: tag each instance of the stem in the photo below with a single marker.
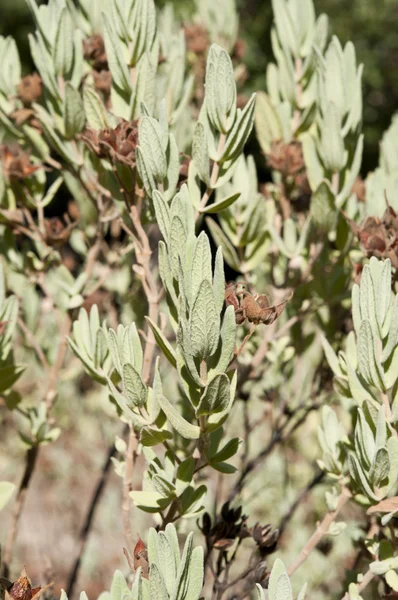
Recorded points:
(213, 177)
(143, 253)
(30, 464)
(361, 586)
(35, 344)
(299, 92)
(59, 360)
(320, 531)
(85, 531)
(127, 487)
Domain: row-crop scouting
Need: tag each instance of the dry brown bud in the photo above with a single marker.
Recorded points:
(30, 89)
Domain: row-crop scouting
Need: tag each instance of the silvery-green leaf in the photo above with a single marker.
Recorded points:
(162, 212)
(173, 168)
(163, 343)
(392, 340)
(237, 137)
(135, 389)
(74, 115)
(331, 357)
(152, 146)
(63, 48)
(195, 571)
(204, 322)
(216, 396)
(229, 252)
(278, 569)
(166, 562)
(177, 244)
(220, 204)
(286, 28)
(332, 144)
(284, 588)
(157, 586)
(312, 162)
(115, 56)
(228, 336)
(119, 587)
(201, 263)
(369, 365)
(219, 280)
(267, 122)
(359, 476)
(364, 441)
(94, 109)
(184, 428)
(145, 173)
(200, 153)
(380, 468)
(323, 209)
(352, 173)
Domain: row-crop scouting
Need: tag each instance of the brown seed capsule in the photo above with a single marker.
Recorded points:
(141, 558)
(30, 89)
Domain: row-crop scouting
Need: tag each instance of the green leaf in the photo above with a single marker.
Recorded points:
(153, 437)
(184, 428)
(74, 114)
(204, 322)
(216, 396)
(227, 452)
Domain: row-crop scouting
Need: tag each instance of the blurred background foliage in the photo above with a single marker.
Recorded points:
(370, 24)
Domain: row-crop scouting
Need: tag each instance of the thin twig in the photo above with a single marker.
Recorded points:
(302, 496)
(85, 531)
(127, 488)
(368, 577)
(213, 178)
(320, 531)
(30, 464)
(35, 344)
(57, 366)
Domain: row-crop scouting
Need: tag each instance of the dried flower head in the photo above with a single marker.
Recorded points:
(117, 144)
(196, 38)
(94, 52)
(229, 526)
(379, 237)
(30, 89)
(103, 81)
(21, 589)
(265, 537)
(16, 163)
(288, 159)
(255, 308)
(58, 232)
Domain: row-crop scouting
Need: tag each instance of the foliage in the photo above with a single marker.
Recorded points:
(136, 127)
